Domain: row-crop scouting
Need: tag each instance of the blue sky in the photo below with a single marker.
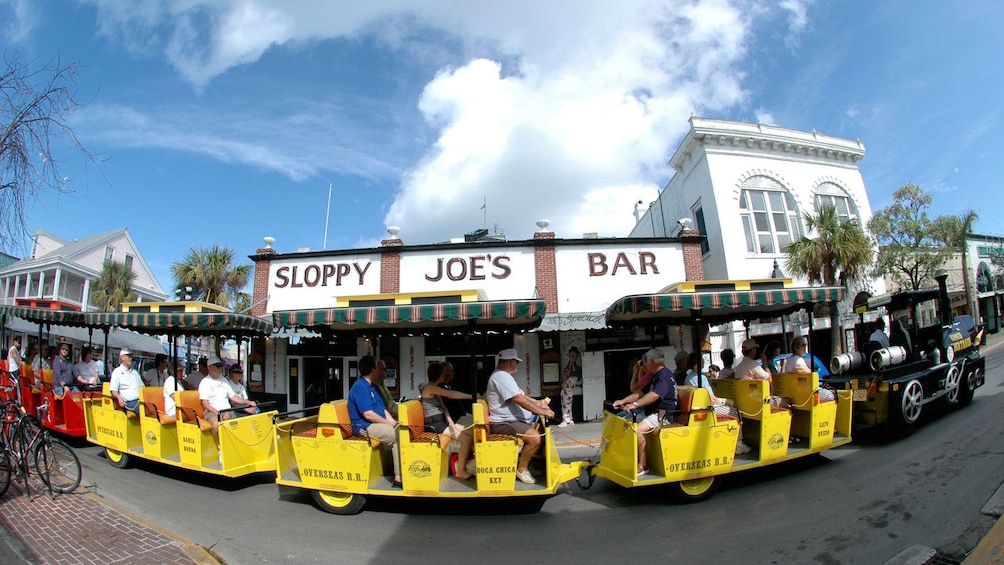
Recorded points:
(221, 122)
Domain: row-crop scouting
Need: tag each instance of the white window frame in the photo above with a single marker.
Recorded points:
(764, 205)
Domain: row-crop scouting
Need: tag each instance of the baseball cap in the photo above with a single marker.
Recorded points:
(236, 369)
(214, 361)
(125, 351)
(508, 355)
(749, 344)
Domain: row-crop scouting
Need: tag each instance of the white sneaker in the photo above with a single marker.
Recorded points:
(470, 467)
(742, 448)
(565, 424)
(525, 477)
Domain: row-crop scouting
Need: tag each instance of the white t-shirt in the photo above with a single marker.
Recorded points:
(216, 392)
(88, 370)
(501, 388)
(237, 389)
(126, 382)
(169, 406)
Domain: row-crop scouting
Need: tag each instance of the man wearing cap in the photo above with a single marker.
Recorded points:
(194, 379)
(658, 400)
(85, 371)
(370, 417)
(749, 368)
(215, 394)
(125, 383)
(511, 411)
(681, 366)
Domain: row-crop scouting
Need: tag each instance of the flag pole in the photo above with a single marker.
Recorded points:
(327, 214)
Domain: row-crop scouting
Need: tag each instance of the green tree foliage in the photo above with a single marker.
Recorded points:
(911, 245)
(954, 232)
(35, 106)
(840, 250)
(214, 277)
(113, 287)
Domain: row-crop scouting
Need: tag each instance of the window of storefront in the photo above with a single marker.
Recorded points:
(770, 218)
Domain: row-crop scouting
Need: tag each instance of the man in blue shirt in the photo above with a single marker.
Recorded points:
(370, 417)
(658, 399)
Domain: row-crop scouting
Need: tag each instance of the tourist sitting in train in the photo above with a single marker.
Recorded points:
(879, 336)
(438, 419)
(749, 368)
(728, 359)
(85, 371)
(459, 410)
(156, 375)
(512, 412)
(125, 383)
(216, 397)
(658, 401)
(640, 381)
(694, 378)
(370, 417)
(238, 389)
(379, 376)
(62, 372)
(797, 364)
(681, 366)
(770, 353)
(172, 385)
(194, 379)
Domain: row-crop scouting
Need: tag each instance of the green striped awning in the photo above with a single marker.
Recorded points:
(44, 315)
(186, 323)
(525, 314)
(719, 307)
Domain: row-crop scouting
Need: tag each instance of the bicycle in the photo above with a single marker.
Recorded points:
(26, 441)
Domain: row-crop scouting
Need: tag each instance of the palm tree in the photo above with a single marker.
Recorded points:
(954, 232)
(213, 277)
(841, 250)
(113, 287)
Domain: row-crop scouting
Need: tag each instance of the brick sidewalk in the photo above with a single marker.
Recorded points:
(88, 530)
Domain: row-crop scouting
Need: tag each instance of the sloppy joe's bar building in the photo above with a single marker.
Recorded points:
(576, 278)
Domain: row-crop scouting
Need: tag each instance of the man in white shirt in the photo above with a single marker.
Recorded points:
(749, 368)
(215, 394)
(156, 375)
(85, 371)
(194, 379)
(511, 411)
(238, 389)
(170, 387)
(125, 383)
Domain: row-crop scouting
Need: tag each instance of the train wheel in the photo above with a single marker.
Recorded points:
(968, 386)
(954, 384)
(911, 404)
(694, 490)
(117, 458)
(339, 502)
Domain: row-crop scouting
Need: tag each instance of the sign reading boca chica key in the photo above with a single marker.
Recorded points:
(586, 274)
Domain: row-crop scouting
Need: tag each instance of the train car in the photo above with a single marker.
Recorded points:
(932, 357)
(185, 439)
(321, 454)
(696, 446)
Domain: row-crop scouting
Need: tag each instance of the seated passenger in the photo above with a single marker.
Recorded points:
(659, 400)
(237, 389)
(125, 383)
(511, 411)
(749, 367)
(379, 376)
(62, 372)
(797, 364)
(879, 335)
(370, 418)
(85, 371)
(640, 381)
(695, 379)
(438, 419)
(156, 375)
(172, 385)
(459, 410)
(216, 397)
(770, 354)
(728, 359)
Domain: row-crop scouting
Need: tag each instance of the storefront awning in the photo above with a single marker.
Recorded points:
(524, 314)
(187, 323)
(573, 321)
(718, 307)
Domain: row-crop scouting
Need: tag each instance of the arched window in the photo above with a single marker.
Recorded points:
(770, 219)
(829, 193)
(984, 277)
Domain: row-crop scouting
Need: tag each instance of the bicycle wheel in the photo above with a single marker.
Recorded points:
(5, 472)
(57, 464)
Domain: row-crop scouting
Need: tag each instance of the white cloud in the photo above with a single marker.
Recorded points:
(558, 110)
(20, 18)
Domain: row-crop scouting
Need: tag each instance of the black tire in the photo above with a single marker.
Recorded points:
(5, 473)
(339, 502)
(63, 473)
(695, 490)
(118, 459)
(968, 385)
